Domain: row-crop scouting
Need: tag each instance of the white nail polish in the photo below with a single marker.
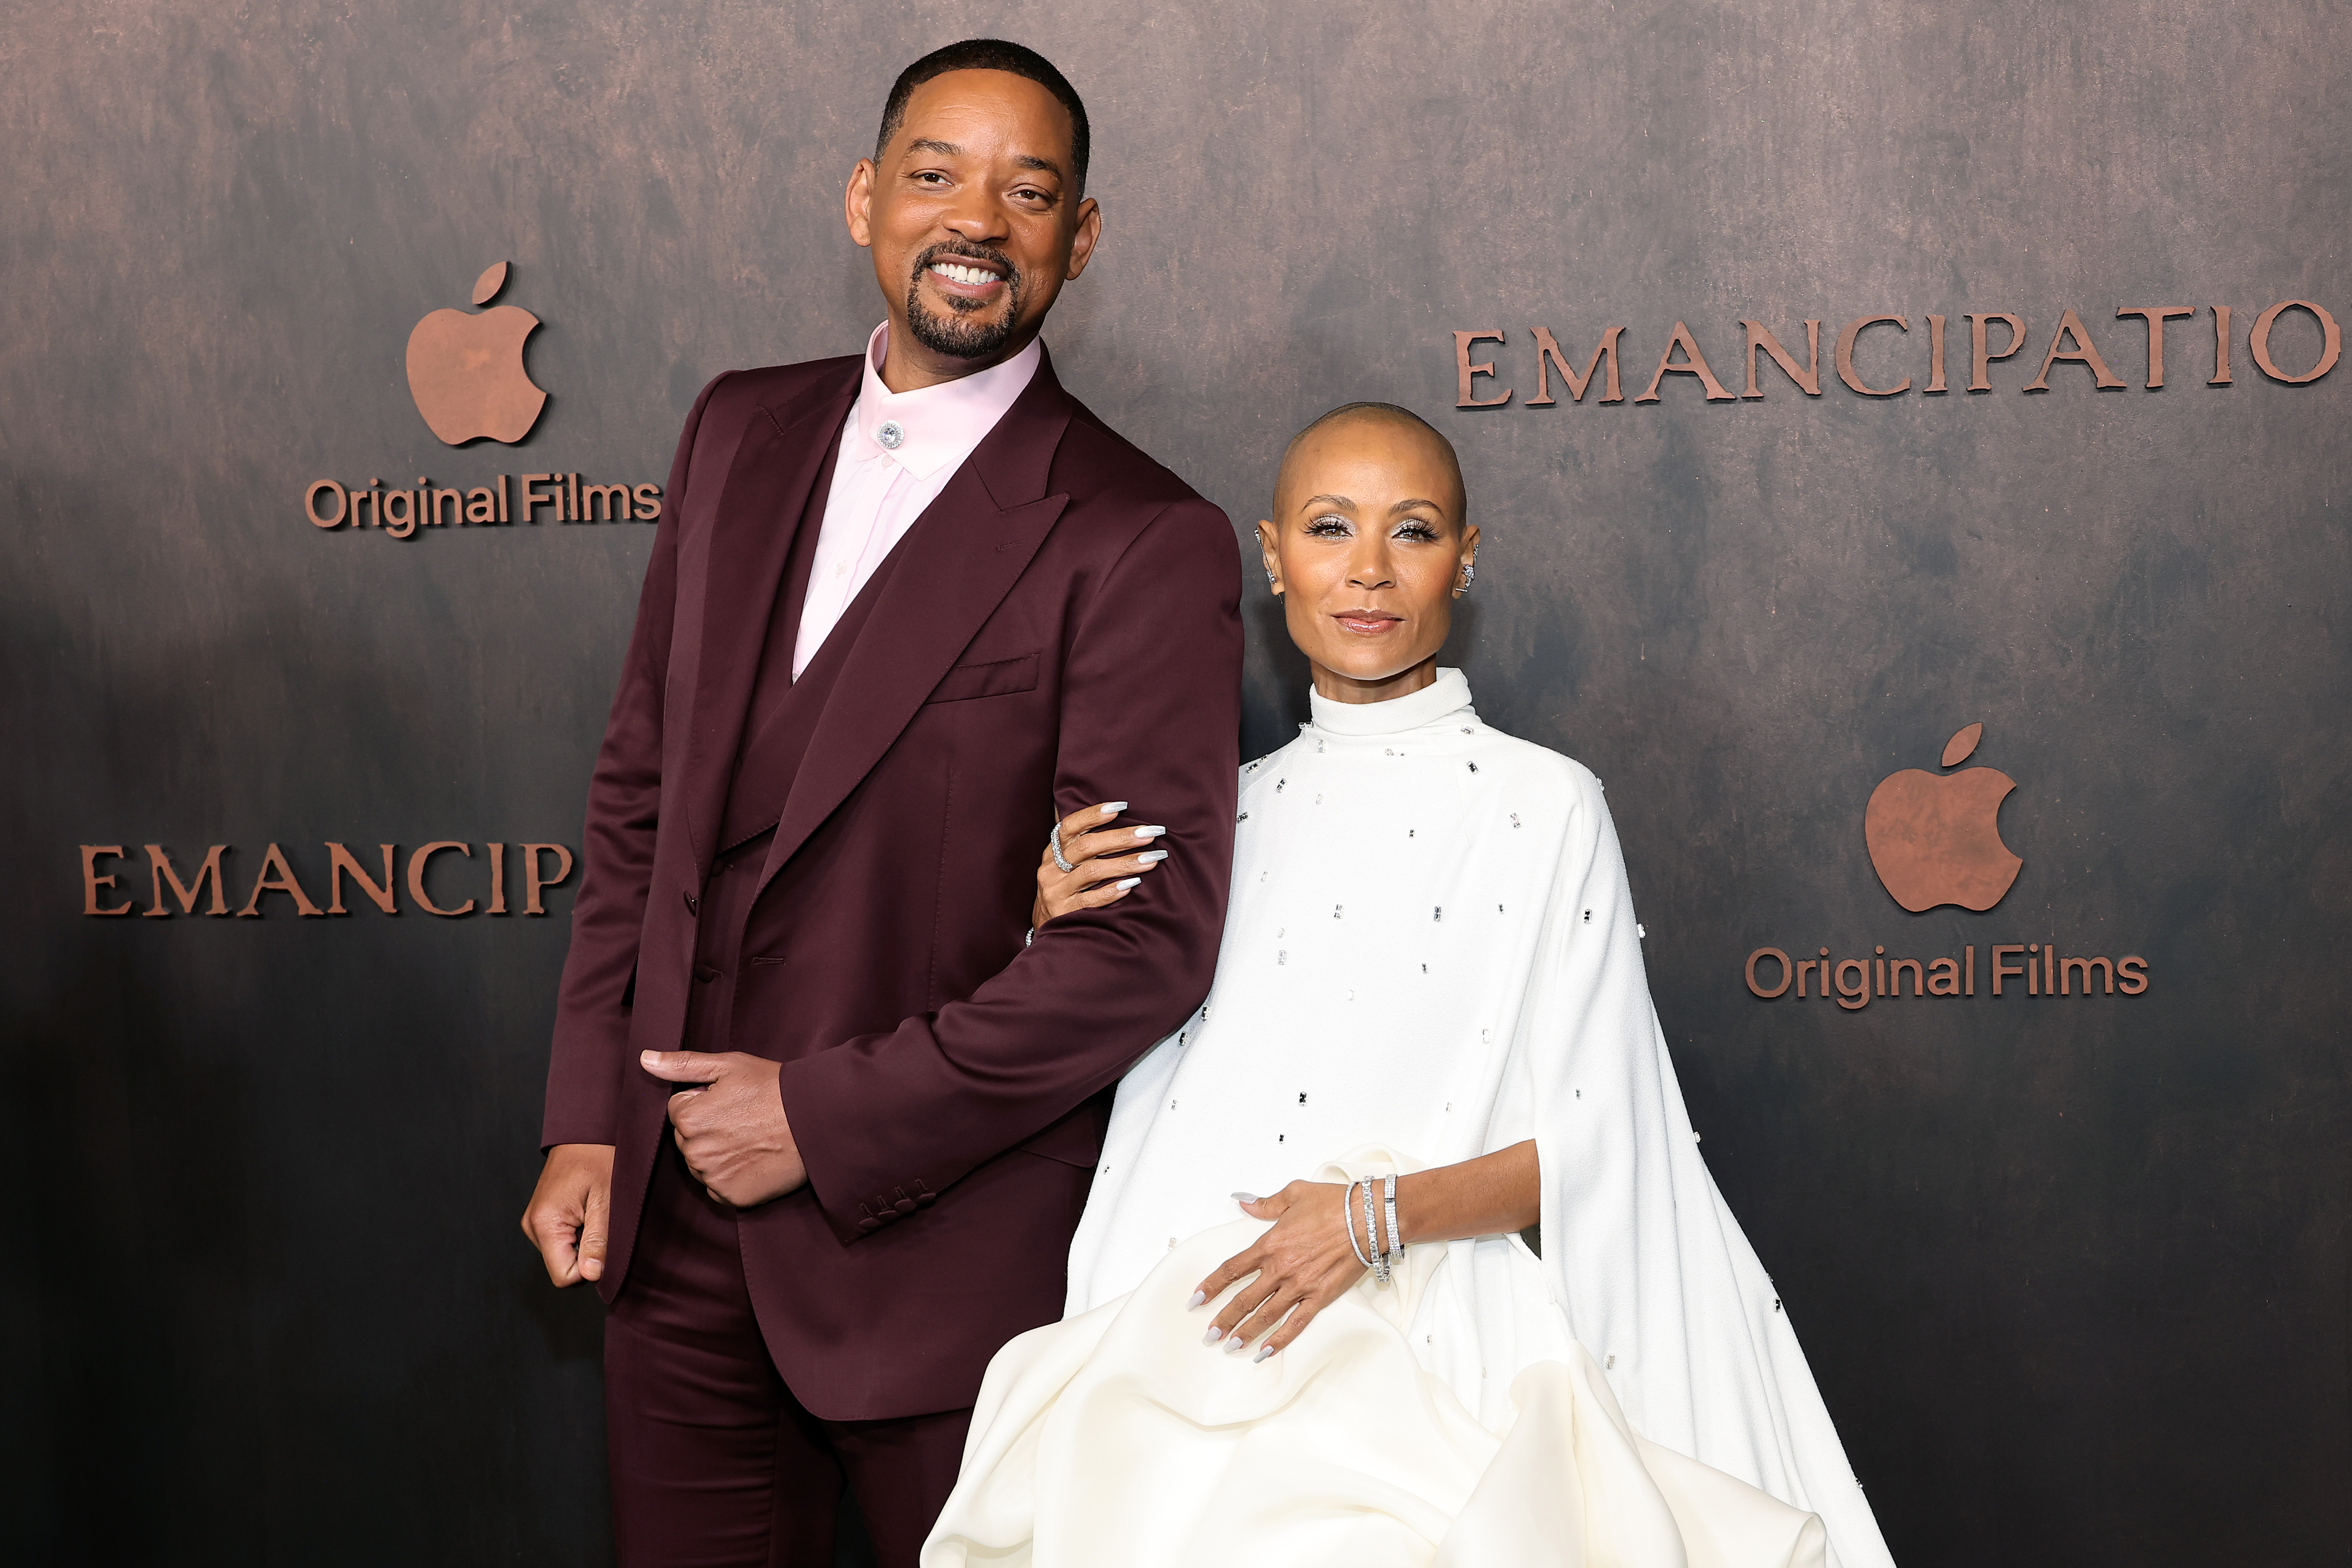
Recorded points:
(1151, 857)
(1130, 881)
(1245, 1198)
(1214, 1336)
(1262, 1352)
(1113, 808)
(1149, 832)
(1200, 1299)
(1236, 1344)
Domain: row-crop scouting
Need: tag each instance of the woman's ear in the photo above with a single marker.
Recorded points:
(1268, 555)
(1466, 564)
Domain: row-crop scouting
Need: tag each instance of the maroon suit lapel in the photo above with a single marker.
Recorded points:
(955, 565)
(767, 494)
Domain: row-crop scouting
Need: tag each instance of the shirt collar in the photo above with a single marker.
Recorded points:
(937, 427)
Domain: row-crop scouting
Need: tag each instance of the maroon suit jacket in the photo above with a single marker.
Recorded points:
(1059, 627)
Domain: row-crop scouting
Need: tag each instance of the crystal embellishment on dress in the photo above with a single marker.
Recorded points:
(1438, 913)
(1473, 768)
(1337, 910)
(891, 435)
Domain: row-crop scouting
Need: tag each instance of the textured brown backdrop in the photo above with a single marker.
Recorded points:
(2073, 1275)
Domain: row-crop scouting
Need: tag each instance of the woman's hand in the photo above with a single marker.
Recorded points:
(1106, 863)
(1303, 1265)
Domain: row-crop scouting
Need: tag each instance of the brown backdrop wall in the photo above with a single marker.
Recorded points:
(2072, 1273)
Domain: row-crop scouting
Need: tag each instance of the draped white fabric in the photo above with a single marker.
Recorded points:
(1430, 949)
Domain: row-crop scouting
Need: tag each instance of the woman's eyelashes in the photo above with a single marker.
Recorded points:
(1417, 529)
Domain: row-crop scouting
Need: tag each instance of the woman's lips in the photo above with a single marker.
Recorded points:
(1367, 623)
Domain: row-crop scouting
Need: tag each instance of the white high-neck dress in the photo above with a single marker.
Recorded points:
(1430, 954)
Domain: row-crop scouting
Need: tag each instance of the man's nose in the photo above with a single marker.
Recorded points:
(977, 215)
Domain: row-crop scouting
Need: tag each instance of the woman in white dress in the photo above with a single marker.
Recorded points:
(1429, 1032)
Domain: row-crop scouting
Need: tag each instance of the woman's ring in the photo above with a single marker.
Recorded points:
(1055, 839)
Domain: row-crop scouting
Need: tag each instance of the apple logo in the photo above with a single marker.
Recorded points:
(465, 368)
(1934, 839)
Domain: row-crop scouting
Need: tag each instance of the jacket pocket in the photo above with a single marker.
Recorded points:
(998, 678)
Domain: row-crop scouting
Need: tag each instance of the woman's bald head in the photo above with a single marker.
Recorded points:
(1392, 419)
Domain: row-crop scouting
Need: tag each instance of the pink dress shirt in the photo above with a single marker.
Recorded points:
(899, 451)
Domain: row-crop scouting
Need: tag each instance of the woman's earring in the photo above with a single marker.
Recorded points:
(1469, 575)
(1273, 586)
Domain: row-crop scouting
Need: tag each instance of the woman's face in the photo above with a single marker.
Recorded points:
(1367, 548)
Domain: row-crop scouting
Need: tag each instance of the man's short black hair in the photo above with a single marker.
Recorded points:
(989, 55)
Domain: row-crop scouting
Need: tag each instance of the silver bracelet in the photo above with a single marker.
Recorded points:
(1347, 1219)
(1396, 1249)
(1372, 1234)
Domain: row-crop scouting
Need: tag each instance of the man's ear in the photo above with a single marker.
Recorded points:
(1082, 244)
(857, 204)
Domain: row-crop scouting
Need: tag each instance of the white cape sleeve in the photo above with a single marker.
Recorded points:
(1656, 1278)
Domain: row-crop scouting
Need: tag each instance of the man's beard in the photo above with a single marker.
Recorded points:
(957, 334)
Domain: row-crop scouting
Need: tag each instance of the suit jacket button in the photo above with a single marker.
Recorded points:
(925, 1199)
(705, 973)
(869, 1223)
(906, 1206)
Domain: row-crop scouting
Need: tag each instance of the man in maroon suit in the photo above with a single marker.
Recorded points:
(819, 1127)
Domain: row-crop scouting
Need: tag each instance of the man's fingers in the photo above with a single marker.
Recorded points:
(556, 1237)
(684, 1066)
(593, 1229)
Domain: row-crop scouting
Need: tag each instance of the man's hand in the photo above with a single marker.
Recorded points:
(729, 1123)
(567, 1217)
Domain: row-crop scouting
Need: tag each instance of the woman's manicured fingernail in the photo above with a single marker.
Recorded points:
(1199, 1297)
(1151, 857)
(1149, 832)
(1245, 1198)
(1129, 882)
(1262, 1352)
(1214, 1336)
(1236, 1344)
(1112, 808)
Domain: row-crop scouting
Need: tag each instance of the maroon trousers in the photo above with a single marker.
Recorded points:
(714, 1463)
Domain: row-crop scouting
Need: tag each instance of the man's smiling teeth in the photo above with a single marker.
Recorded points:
(955, 274)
